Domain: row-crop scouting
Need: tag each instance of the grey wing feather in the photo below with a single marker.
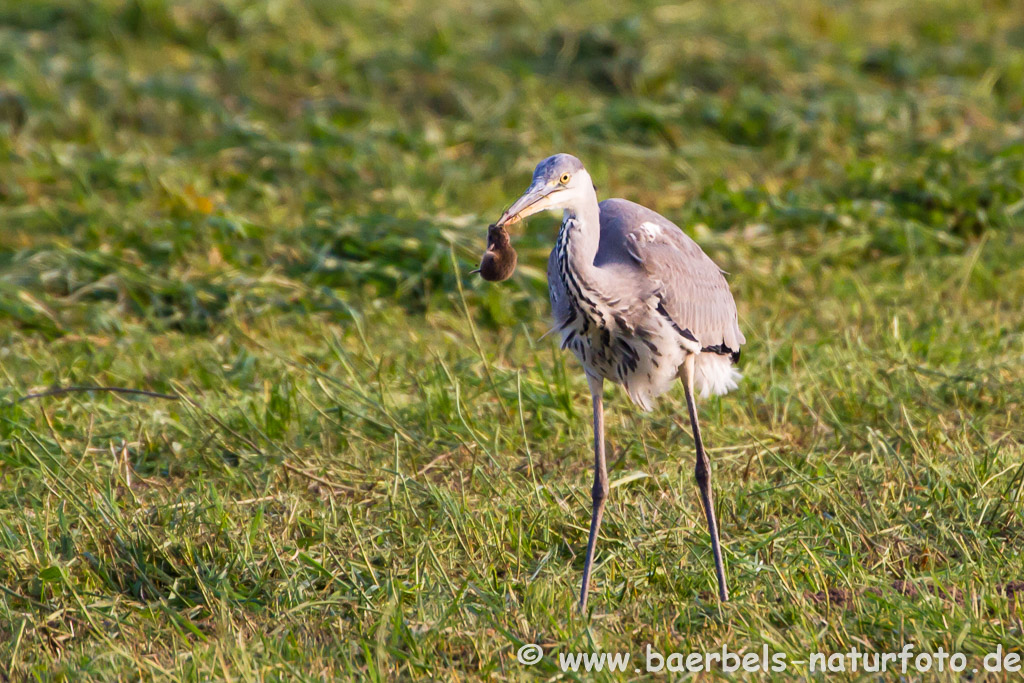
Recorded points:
(691, 287)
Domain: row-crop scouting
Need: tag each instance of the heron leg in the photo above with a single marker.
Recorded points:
(702, 472)
(600, 490)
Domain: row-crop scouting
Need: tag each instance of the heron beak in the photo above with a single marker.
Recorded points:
(536, 199)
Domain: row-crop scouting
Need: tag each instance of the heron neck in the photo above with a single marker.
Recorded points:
(582, 223)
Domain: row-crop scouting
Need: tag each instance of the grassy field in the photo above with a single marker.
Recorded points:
(367, 466)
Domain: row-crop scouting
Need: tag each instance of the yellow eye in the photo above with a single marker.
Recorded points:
(564, 179)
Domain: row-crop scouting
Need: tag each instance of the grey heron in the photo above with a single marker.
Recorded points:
(640, 304)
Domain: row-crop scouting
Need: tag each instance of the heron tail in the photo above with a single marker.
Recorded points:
(715, 374)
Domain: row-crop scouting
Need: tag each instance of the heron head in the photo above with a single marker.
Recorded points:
(559, 182)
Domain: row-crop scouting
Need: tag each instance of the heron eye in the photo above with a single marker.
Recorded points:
(564, 179)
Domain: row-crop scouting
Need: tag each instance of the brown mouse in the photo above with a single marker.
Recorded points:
(499, 261)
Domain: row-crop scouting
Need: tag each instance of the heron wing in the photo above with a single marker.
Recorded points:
(692, 290)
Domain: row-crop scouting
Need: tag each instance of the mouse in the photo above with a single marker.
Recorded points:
(499, 261)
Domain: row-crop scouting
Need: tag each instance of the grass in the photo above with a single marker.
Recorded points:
(373, 468)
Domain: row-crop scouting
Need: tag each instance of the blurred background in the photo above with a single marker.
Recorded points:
(272, 207)
(349, 144)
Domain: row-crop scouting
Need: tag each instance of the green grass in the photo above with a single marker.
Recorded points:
(376, 469)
